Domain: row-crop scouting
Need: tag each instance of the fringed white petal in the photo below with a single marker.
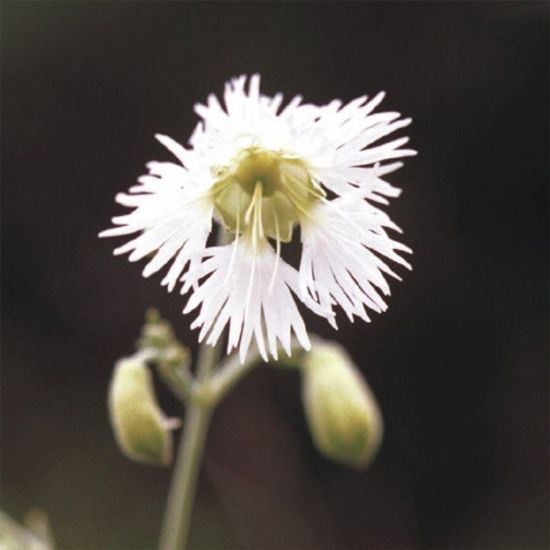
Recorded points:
(173, 220)
(366, 181)
(345, 156)
(343, 244)
(243, 295)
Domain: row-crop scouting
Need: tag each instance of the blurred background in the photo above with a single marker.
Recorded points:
(458, 363)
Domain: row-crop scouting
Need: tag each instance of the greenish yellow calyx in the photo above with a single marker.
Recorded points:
(343, 416)
(140, 427)
(264, 192)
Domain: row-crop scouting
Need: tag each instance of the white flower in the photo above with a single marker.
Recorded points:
(261, 170)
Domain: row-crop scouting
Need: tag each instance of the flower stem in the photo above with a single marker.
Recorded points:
(177, 517)
(175, 528)
(182, 491)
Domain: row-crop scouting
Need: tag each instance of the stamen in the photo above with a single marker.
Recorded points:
(250, 209)
(278, 254)
(297, 202)
(250, 284)
(316, 193)
(235, 245)
(256, 209)
(254, 223)
(256, 230)
(260, 223)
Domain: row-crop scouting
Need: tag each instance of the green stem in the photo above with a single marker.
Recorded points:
(175, 528)
(229, 373)
(177, 378)
(177, 517)
(231, 370)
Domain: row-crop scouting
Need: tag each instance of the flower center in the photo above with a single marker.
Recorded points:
(265, 192)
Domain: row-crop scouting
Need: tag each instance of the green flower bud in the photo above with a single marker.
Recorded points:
(140, 427)
(342, 413)
(156, 333)
(14, 536)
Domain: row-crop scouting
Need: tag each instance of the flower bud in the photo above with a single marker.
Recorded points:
(342, 413)
(140, 427)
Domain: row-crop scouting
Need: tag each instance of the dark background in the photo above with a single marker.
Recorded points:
(459, 362)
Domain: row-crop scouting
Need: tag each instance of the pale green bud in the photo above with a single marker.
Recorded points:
(14, 536)
(140, 427)
(342, 413)
(156, 333)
